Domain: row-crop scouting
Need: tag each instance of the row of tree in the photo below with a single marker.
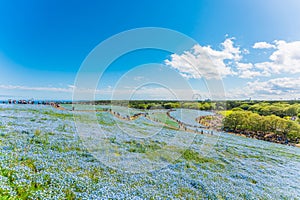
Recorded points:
(253, 122)
(278, 109)
(204, 105)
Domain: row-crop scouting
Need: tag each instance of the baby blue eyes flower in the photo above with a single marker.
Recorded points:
(42, 157)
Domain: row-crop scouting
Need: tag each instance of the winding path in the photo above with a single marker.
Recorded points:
(181, 125)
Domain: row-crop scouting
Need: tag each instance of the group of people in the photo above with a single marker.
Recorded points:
(13, 101)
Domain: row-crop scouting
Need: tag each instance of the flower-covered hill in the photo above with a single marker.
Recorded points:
(42, 157)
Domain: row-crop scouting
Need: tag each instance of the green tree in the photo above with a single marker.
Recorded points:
(245, 106)
(292, 110)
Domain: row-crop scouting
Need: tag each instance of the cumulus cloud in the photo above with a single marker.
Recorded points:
(203, 61)
(263, 45)
(286, 59)
(277, 88)
(248, 71)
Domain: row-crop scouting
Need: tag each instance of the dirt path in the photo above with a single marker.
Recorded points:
(58, 107)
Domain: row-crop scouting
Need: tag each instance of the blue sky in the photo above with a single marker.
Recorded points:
(254, 45)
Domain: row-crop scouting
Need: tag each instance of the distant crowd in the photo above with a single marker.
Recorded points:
(12, 101)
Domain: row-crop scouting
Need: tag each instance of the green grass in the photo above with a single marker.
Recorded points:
(143, 146)
(185, 192)
(37, 132)
(58, 115)
(191, 155)
(163, 118)
(62, 128)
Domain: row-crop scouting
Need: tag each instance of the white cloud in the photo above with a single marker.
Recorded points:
(72, 86)
(278, 88)
(49, 89)
(203, 61)
(263, 45)
(248, 71)
(244, 66)
(286, 59)
(246, 51)
(249, 74)
(277, 85)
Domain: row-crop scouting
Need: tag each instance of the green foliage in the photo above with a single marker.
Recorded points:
(191, 155)
(58, 115)
(203, 105)
(70, 195)
(37, 132)
(244, 106)
(292, 110)
(143, 146)
(280, 109)
(183, 193)
(141, 106)
(237, 109)
(62, 128)
(2, 126)
(29, 163)
(293, 135)
(249, 121)
(171, 105)
(163, 118)
(112, 139)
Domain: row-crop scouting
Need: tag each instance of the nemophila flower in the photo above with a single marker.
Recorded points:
(57, 164)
